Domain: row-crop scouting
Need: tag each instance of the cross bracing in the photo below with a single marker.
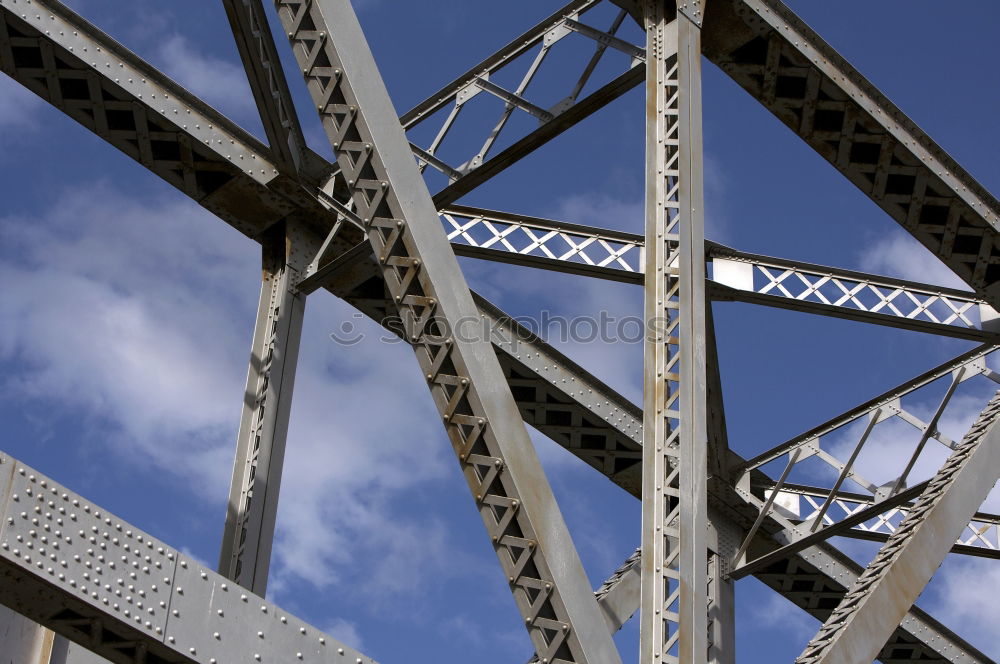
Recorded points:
(347, 229)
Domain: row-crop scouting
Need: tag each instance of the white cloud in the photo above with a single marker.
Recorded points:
(899, 255)
(136, 319)
(110, 316)
(221, 83)
(347, 633)
(966, 596)
(776, 612)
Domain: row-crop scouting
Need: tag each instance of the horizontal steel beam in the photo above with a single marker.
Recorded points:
(99, 581)
(543, 243)
(799, 502)
(813, 580)
(737, 276)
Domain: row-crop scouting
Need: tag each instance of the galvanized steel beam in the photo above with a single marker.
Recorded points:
(427, 288)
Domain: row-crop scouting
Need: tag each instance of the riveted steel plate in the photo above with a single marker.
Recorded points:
(88, 553)
(240, 626)
(6, 475)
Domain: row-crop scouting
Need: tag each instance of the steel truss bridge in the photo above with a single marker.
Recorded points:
(368, 229)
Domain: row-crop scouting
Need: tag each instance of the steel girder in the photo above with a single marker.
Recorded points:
(880, 597)
(86, 574)
(431, 298)
(796, 75)
(267, 81)
(480, 166)
(859, 516)
(44, 80)
(674, 608)
(735, 276)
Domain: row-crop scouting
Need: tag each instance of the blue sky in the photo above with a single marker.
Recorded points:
(127, 312)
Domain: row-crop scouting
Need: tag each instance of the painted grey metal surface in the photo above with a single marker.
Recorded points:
(674, 607)
(23, 641)
(94, 578)
(881, 596)
(842, 116)
(218, 181)
(267, 81)
(429, 292)
(260, 446)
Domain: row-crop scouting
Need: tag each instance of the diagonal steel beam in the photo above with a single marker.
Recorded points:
(879, 599)
(103, 583)
(482, 166)
(800, 78)
(813, 580)
(429, 292)
(267, 80)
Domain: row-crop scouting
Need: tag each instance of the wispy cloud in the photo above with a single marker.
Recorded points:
(897, 254)
(221, 83)
(964, 592)
(136, 318)
(92, 326)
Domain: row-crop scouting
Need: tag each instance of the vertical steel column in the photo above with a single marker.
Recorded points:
(721, 612)
(440, 320)
(260, 447)
(674, 621)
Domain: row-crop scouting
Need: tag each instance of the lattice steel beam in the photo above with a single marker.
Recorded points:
(97, 580)
(798, 503)
(553, 245)
(881, 596)
(426, 286)
(480, 165)
(736, 276)
(787, 67)
(674, 617)
(800, 286)
(813, 579)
